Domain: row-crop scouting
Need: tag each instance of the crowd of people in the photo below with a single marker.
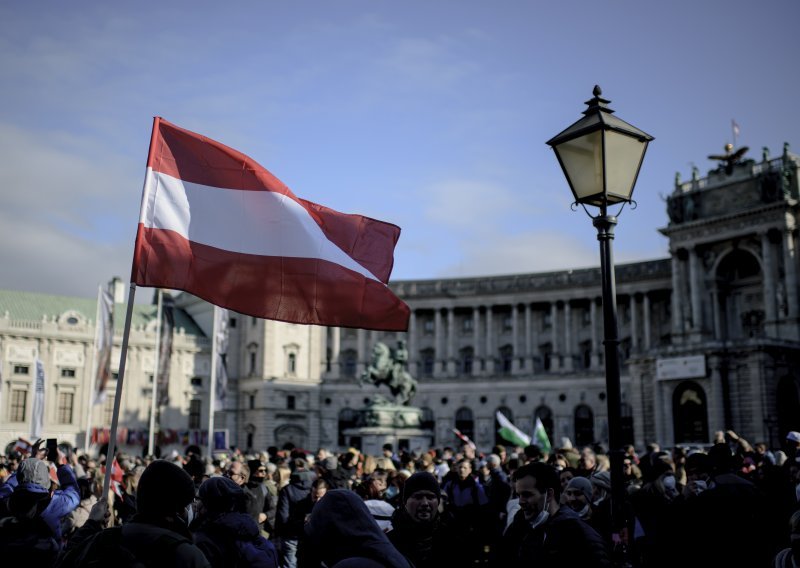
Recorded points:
(731, 503)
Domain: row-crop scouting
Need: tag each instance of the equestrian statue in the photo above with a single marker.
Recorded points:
(388, 367)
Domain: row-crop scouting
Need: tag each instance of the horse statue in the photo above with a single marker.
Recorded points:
(388, 367)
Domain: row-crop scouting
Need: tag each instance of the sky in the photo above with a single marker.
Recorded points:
(432, 115)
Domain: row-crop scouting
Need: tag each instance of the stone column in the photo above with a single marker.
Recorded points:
(362, 352)
(451, 342)
(517, 353)
(438, 340)
(413, 344)
(790, 260)
(769, 285)
(554, 364)
(677, 312)
(336, 349)
(490, 354)
(695, 287)
(648, 339)
(528, 348)
(476, 338)
(568, 348)
(634, 325)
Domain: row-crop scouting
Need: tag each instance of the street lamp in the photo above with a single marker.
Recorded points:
(601, 156)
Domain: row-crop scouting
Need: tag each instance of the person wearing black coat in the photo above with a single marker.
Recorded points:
(294, 503)
(544, 534)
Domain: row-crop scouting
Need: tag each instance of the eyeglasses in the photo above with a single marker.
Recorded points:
(261, 470)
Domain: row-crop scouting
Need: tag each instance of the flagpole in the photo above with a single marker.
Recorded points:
(212, 388)
(152, 433)
(112, 442)
(90, 398)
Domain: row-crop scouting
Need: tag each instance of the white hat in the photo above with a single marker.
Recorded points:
(793, 436)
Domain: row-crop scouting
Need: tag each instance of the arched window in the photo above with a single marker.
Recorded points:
(689, 413)
(626, 416)
(584, 426)
(465, 422)
(348, 418)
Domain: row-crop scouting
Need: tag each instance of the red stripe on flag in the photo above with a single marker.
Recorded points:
(298, 290)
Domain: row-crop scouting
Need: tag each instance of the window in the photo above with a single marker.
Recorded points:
(253, 321)
(349, 363)
(328, 357)
(348, 418)
(19, 399)
(428, 326)
(231, 323)
(196, 381)
(508, 323)
(68, 373)
(108, 405)
(547, 320)
(194, 413)
(21, 369)
(427, 359)
(291, 364)
(467, 358)
(290, 402)
(506, 359)
(65, 406)
(465, 423)
(150, 378)
(467, 324)
(251, 401)
(252, 363)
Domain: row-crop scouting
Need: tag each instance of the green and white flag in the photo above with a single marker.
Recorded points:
(540, 437)
(510, 432)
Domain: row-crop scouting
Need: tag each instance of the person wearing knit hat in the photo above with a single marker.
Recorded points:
(578, 496)
(158, 535)
(420, 531)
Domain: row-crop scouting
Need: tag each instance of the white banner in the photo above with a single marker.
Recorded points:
(37, 418)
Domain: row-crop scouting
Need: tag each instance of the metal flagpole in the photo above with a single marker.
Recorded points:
(212, 388)
(152, 433)
(93, 378)
(112, 442)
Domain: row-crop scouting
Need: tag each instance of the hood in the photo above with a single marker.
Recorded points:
(342, 527)
(302, 478)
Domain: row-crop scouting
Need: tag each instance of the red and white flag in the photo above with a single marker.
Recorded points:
(218, 225)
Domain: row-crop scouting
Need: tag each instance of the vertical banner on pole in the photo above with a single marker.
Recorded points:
(37, 418)
(105, 344)
(165, 349)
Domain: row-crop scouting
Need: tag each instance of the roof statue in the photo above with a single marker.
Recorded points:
(729, 158)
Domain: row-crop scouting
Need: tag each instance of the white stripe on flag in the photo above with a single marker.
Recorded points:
(263, 223)
(510, 432)
(37, 417)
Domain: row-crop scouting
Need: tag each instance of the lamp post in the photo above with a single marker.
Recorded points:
(601, 156)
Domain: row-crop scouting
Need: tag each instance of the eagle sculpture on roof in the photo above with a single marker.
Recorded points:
(729, 158)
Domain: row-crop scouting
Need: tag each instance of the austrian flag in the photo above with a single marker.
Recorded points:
(218, 225)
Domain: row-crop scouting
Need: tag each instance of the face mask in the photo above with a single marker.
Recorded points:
(391, 491)
(542, 516)
(189, 514)
(583, 511)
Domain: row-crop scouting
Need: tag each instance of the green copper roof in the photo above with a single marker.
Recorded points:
(32, 306)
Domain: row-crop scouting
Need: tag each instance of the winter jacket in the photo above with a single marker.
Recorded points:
(341, 527)
(427, 545)
(234, 539)
(294, 503)
(563, 540)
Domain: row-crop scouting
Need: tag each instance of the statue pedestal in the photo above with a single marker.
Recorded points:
(380, 423)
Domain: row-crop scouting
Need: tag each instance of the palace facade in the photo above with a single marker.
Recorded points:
(710, 340)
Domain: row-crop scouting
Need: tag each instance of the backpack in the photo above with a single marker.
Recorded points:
(106, 548)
